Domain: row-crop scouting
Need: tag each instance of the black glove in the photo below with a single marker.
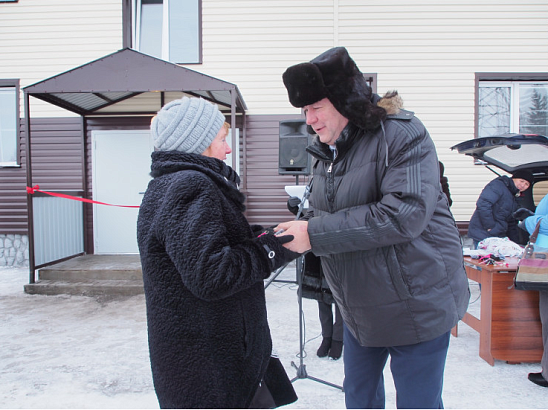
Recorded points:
(257, 229)
(293, 204)
(263, 231)
(276, 253)
(522, 213)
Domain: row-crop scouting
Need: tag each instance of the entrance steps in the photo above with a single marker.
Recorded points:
(91, 275)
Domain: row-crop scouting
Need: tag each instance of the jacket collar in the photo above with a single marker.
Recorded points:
(345, 141)
(166, 162)
(510, 185)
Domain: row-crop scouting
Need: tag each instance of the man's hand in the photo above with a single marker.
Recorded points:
(299, 230)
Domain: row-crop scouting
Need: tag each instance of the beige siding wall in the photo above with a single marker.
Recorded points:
(428, 50)
(43, 38)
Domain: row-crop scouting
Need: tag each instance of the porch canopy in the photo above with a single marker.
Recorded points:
(128, 82)
(124, 83)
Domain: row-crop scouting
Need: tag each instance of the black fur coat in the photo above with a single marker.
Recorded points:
(208, 334)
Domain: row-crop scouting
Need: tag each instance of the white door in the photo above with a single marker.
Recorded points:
(120, 175)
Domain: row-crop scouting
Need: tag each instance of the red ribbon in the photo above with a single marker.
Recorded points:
(36, 188)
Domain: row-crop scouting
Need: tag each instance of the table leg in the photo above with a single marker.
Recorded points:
(486, 317)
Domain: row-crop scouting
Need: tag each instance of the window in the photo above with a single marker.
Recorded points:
(9, 122)
(512, 106)
(169, 29)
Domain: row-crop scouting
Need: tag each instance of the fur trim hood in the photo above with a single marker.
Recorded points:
(391, 102)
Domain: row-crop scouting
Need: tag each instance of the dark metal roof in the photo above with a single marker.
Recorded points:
(130, 82)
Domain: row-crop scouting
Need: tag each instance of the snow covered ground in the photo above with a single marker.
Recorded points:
(83, 352)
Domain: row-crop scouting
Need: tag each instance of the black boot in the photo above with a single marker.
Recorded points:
(336, 350)
(324, 347)
(537, 378)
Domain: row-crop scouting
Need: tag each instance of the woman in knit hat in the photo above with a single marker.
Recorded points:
(495, 206)
(203, 270)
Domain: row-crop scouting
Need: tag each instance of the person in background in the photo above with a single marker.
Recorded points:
(445, 184)
(495, 206)
(530, 221)
(388, 243)
(203, 271)
(314, 286)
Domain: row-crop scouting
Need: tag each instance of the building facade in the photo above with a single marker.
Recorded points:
(467, 69)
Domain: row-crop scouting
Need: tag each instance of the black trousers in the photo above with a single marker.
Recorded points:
(331, 328)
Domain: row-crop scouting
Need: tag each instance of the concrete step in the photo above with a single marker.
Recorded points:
(91, 275)
(87, 288)
(80, 275)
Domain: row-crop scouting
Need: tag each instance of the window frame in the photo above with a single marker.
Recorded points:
(14, 83)
(131, 29)
(507, 79)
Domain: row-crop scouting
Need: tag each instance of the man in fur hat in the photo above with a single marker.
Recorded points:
(389, 245)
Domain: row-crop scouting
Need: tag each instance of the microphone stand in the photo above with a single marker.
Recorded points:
(301, 369)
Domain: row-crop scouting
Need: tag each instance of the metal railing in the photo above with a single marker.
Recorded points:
(58, 228)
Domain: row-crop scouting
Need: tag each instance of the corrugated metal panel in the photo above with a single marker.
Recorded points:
(266, 196)
(13, 201)
(58, 228)
(90, 101)
(56, 156)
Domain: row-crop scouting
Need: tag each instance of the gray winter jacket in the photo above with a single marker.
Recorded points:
(389, 245)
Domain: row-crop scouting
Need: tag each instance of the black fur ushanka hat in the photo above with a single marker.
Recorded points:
(334, 75)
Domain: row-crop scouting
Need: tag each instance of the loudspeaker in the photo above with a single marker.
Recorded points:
(293, 158)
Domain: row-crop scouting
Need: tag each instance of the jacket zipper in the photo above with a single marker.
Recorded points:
(330, 188)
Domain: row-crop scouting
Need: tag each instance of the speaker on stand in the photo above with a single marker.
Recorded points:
(293, 158)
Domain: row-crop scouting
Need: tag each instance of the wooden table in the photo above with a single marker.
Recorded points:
(509, 323)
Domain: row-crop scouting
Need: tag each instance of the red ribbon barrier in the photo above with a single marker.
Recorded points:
(36, 188)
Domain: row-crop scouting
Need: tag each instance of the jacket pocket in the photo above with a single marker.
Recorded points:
(396, 273)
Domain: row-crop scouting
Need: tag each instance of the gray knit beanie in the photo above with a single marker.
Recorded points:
(187, 125)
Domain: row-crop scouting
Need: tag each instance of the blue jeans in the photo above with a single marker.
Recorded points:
(417, 371)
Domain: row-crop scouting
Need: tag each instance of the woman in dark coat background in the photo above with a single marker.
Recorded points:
(314, 286)
(203, 270)
(495, 206)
